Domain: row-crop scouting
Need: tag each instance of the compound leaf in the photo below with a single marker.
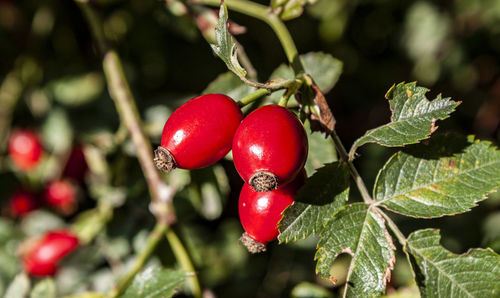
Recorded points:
(317, 201)
(446, 177)
(413, 117)
(441, 273)
(360, 232)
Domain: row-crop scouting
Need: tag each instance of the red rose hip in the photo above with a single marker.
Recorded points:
(22, 202)
(199, 133)
(42, 258)
(260, 212)
(25, 149)
(61, 195)
(269, 147)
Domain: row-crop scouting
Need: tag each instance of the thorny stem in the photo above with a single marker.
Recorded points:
(184, 260)
(153, 239)
(253, 97)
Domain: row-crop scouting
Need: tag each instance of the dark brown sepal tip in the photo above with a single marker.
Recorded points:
(263, 181)
(164, 160)
(252, 245)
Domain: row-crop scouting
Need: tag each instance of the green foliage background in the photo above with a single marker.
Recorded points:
(448, 46)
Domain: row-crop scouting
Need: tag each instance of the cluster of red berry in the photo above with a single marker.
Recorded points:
(26, 152)
(269, 152)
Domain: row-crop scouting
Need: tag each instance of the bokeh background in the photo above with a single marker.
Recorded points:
(51, 81)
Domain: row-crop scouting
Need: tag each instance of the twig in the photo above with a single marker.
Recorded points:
(153, 239)
(184, 261)
(123, 98)
(253, 97)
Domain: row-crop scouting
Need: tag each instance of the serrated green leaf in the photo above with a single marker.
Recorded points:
(230, 85)
(413, 117)
(361, 233)
(446, 177)
(441, 273)
(45, 288)
(155, 282)
(19, 287)
(316, 203)
(225, 47)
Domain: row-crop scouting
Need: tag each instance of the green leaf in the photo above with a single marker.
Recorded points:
(230, 85)
(79, 89)
(441, 273)
(225, 47)
(310, 290)
(155, 282)
(57, 132)
(446, 177)
(321, 149)
(87, 295)
(316, 203)
(413, 117)
(19, 287)
(45, 288)
(361, 233)
(322, 67)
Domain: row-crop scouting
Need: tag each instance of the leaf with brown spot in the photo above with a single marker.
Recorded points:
(445, 177)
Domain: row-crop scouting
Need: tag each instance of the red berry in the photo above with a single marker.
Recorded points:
(42, 258)
(260, 212)
(25, 149)
(199, 133)
(269, 147)
(76, 166)
(61, 195)
(22, 203)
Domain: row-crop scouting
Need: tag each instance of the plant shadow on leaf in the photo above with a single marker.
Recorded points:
(313, 183)
(439, 146)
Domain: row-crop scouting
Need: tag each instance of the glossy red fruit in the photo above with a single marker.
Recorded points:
(269, 147)
(199, 133)
(22, 203)
(42, 258)
(25, 149)
(260, 212)
(61, 195)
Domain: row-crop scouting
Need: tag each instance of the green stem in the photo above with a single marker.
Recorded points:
(263, 13)
(184, 261)
(394, 228)
(286, 96)
(354, 172)
(253, 97)
(153, 239)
